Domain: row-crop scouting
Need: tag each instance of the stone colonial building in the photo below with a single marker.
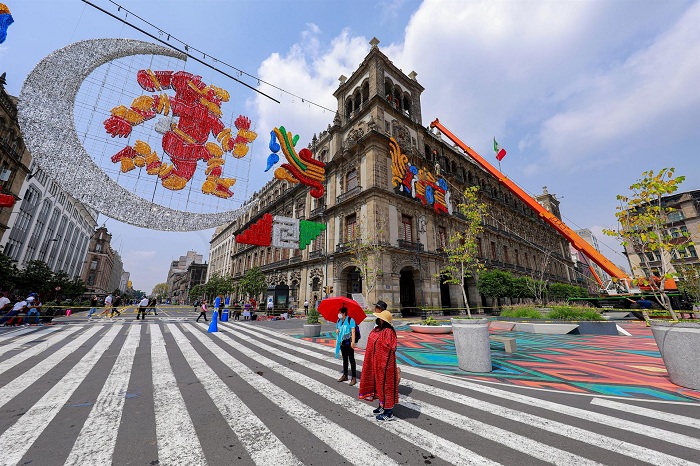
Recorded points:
(184, 273)
(396, 184)
(101, 265)
(14, 157)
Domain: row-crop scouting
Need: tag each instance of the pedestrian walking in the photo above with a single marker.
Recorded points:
(203, 312)
(152, 305)
(108, 305)
(306, 307)
(345, 344)
(380, 376)
(93, 306)
(116, 302)
(143, 307)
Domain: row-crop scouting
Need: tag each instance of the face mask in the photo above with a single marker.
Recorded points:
(340, 316)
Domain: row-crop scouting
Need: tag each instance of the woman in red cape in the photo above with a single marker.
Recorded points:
(379, 379)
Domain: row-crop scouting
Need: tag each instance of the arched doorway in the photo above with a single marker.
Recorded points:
(354, 283)
(407, 288)
(445, 300)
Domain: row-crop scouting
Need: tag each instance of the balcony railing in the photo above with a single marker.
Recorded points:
(294, 259)
(316, 254)
(318, 211)
(347, 195)
(410, 245)
(344, 247)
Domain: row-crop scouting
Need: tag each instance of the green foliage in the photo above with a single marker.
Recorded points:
(563, 291)
(36, 277)
(431, 321)
(521, 313)
(572, 313)
(197, 292)
(462, 247)
(643, 219)
(495, 283)
(160, 291)
(8, 273)
(253, 283)
(312, 317)
(689, 280)
(520, 288)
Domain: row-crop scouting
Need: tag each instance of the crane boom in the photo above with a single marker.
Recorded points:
(576, 241)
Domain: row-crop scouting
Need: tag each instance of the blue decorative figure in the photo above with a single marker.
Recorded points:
(272, 159)
(5, 21)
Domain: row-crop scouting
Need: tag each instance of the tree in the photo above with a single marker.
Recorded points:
(197, 292)
(537, 284)
(160, 291)
(366, 254)
(643, 219)
(689, 275)
(36, 277)
(8, 273)
(253, 282)
(462, 247)
(495, 284)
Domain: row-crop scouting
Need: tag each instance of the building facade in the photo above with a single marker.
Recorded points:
(46, 223)
(14, 158)
(179, 276)
(97, 273)
(396, 185)
(684, 219)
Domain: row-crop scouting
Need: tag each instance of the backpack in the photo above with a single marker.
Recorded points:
(357, 333)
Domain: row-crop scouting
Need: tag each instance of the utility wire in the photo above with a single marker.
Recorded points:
(187, 49)
(185, 52)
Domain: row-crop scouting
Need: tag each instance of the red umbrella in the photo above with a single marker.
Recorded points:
(330, 307)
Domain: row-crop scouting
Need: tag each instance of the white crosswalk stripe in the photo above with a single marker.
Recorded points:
(22, 434)
(351, 447)
(261, 444)
(34, 334)
(516, 442)
(496, 426)
(96, 441)
(177, 439)
(31, 352)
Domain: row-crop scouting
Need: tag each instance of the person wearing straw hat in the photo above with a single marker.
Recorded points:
(379, 379)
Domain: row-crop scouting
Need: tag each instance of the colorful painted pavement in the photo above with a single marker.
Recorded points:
(595, 364)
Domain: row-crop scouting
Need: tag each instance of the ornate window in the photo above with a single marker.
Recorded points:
(350, 227)
(407, 228)
(442, 237)
(351, 180)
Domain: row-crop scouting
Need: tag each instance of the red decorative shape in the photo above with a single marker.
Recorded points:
(259, 234)
(7, 200)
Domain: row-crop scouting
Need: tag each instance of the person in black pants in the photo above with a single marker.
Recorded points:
(345, 335)
(152, 305)
(203, 312)
(116, 302)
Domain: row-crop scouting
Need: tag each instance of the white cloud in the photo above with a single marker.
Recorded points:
(311, 72)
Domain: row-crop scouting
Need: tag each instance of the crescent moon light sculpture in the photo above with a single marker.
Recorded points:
(46, 116)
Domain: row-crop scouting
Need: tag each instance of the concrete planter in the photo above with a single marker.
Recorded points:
(366, 326)
(472, 344)
(679, 345)
(312, 330)
(432, 329)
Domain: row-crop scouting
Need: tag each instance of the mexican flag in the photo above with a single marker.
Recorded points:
(500, 152)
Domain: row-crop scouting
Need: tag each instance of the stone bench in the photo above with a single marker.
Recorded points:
(508, 343)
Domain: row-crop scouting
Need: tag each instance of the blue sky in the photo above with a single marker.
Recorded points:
(584, 96)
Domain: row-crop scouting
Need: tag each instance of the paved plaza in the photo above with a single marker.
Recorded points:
(165, 391)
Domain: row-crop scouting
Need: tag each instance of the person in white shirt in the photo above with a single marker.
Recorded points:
(143, 307)
(108, 306)
(4, 302)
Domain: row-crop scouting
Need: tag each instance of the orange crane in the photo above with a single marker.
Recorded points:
(621, 283)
